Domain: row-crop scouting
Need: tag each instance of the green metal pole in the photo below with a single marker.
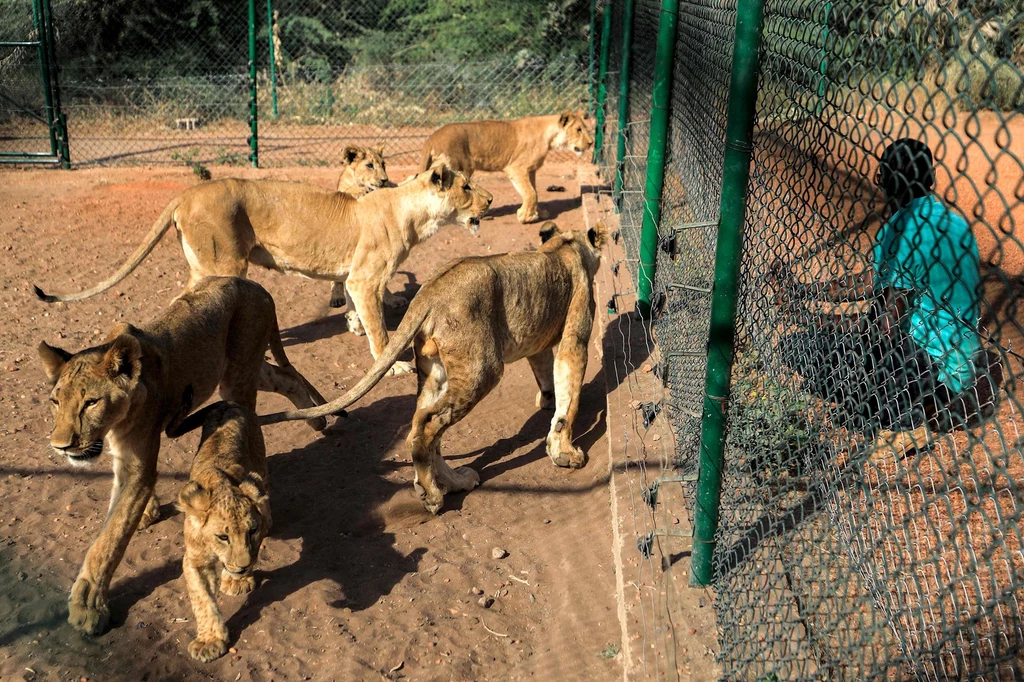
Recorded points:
(661, 103)
(44, 70)
(60, 121)
(273, 61)
(823, 68)
(593, 56)
(602, 86)
(732, 211)
(627, 48)
(254, 146)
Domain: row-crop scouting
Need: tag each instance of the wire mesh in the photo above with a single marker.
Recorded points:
(168, 82)
(23, 122)
(873, 486)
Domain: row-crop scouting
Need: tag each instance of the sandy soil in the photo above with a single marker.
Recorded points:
(357, 581)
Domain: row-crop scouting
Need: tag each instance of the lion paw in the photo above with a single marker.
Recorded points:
(527, 216)
(318, 424)
(151, 514)
(355, 325)
(573, 458)
(207, 650)
(394, 300)
(336, 302)
(402, 367)
(235, 585)
(546, 400)
(88, 610)
(432, 503)
(466, 478)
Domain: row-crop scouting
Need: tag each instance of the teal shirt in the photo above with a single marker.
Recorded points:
(931, 250)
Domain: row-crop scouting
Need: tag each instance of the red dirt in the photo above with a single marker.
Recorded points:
(357, 581)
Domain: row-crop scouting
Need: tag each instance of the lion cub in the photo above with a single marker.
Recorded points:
(227, 515)
(517, 148)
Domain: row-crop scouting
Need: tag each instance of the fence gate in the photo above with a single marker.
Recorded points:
(32, 127)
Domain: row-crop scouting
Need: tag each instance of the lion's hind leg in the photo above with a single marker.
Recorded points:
(288, 382)
(447, 394)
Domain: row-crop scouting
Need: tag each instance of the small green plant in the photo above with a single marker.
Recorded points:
(225, 158)
(609, 651)
(188, 158)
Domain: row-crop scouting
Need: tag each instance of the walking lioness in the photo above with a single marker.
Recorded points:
(471, 319)
(122, 394)
(517, 148)
(224, 225)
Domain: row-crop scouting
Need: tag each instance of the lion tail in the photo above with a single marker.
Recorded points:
(277, 350)
(400, 340)
(162, 224)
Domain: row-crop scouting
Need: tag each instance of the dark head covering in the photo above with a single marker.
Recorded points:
(905, 171)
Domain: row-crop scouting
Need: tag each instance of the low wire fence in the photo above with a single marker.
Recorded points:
(289, 81)
(871, 483)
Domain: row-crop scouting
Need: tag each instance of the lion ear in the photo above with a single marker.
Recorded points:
(123, 360)
(547, 231)
(194, 499)
(351, 154)
(53, 360)
(442, 176)
(598, 235)
(379, 149)
(563, 119)
(581, 114)
(253, 487)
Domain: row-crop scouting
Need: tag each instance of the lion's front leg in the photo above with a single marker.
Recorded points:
(570, 363)
(521, 180)
(338, 299)
(211, 640)
(367, 299)
(88, 604)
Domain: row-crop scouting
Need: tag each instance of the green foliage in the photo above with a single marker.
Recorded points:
(609, 651)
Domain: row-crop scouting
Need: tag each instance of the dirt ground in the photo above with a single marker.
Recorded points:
(356, 581)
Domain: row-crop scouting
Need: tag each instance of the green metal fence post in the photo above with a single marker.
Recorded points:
(602, 86)
(732, 212)
(661, 103)
(39, 19)
(593, 57)
(60, 122)
(620, 154)
(273, 61)
(254, 147)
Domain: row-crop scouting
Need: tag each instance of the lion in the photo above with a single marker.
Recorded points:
(364, 171)
(224, 225)
(227, 516)
(471, 319)
(120, 395)
(517, 148)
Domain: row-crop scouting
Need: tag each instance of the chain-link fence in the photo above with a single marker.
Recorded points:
(873, 475)
(170, 82)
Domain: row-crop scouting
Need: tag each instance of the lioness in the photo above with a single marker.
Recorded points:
(124, 392)
(470, 320)
(224, 225)
(227, 515)
(364, 172)
(518, 148)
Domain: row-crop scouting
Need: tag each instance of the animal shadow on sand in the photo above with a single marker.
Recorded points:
(549, 210)
(327, 494)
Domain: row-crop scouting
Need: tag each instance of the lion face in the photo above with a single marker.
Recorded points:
(573, 133)
(463, 201)
(365, 170)
(92, 392)
(228, 522)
